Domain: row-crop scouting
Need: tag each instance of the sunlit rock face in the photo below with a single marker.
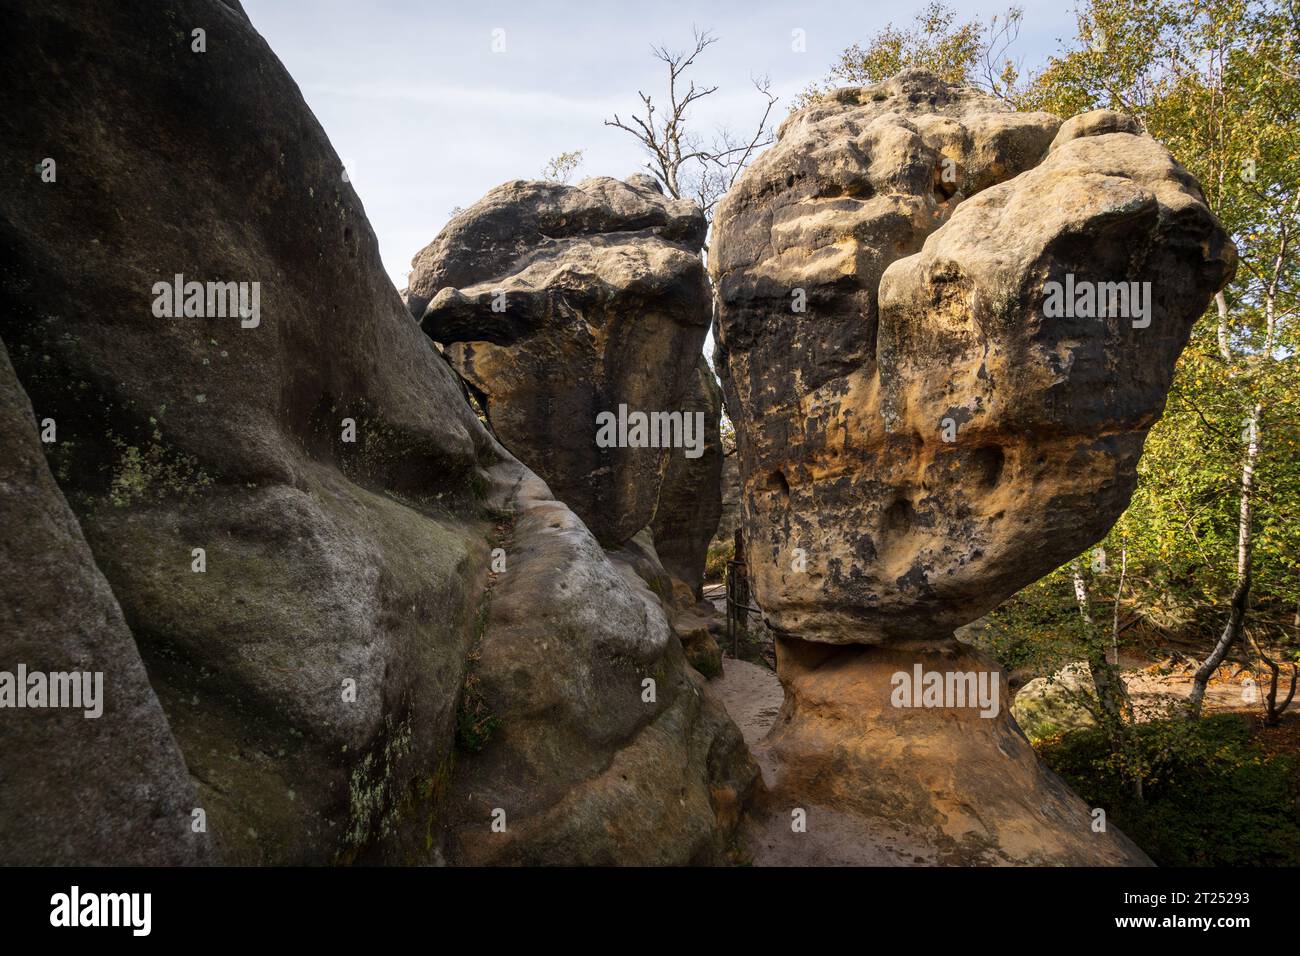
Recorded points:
(944, 329)
(922, 431)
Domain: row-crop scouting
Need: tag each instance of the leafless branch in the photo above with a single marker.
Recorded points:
(678, 160)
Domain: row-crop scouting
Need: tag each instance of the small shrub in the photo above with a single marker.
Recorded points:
(475, 721)
(1210, 795)
(715, 562)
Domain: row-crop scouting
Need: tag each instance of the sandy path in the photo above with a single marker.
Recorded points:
(752, 696)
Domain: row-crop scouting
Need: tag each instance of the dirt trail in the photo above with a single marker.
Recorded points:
(752, 696)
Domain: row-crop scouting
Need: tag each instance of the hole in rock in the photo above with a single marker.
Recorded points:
(899, 517)
(988, 461)
(776, 482)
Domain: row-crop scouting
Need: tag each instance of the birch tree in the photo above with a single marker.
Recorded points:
(1219, 83)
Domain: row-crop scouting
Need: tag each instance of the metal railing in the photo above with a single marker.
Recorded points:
(738, 606)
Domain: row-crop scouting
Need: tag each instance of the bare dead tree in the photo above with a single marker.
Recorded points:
(995, 71)
(680, 160)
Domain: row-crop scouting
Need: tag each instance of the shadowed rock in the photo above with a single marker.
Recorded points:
(556, 303)
(690, 498)
(318, 673)
(100, 783)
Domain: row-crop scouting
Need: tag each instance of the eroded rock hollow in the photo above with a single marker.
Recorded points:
(923, 428)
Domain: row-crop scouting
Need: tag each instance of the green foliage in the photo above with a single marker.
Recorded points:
(475, 722)
(935, 42)
(715, 562)
(559, 169)
(1037, 630)
(153, 472)
(1210, 796)
(1219, 84)
(970, 52)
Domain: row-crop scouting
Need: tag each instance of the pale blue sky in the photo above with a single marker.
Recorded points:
(427, 117)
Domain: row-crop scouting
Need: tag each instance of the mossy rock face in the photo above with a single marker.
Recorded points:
(79, 787)
(1050, 706)
(608, 750)
(327, 632)
(702, 652)
(323, 457)
(295, 514)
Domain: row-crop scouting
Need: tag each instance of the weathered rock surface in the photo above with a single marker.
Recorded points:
(110, 788)
(690, 498)
(316, 672)
(925, 312)
(729, 520)
(969, 788)
(918, 438)
(1052, 705)
(692, 619)
(556, 303)
(662, 775)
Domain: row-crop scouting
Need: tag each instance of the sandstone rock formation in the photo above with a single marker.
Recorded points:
(344, 624)
(690, 498)
(104, 782)
(556, 303)
(693, 620)
(729, 520)
(920, 434)
(673, 789)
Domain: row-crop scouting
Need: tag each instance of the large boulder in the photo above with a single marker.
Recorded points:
(607, 748)
(1056, 704)
(294, 505)
(921, 432)
(929, 438)
(558, 303)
